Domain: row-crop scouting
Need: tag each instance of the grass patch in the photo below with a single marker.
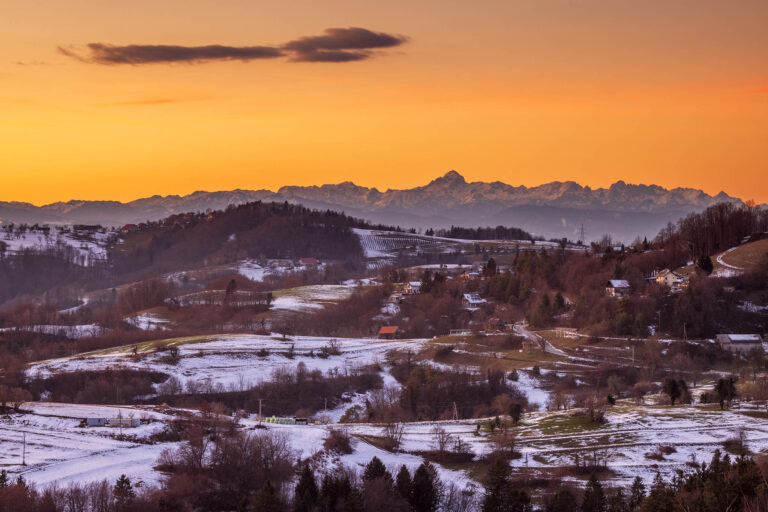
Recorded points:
(747, 256)
(754, 414)
(565, 424)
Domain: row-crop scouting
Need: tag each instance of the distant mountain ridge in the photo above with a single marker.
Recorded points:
(553, 210)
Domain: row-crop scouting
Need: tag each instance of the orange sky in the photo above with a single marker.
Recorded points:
(522, 91)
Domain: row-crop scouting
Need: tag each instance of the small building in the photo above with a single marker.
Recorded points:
(96, 422)
(124, 422)
(740, 343)
(129, 228)
(395, 298)
(669, 278)
(388, 332)
(616, 288)
(412, 288)
(310, 262)
(473, 301)
(470, 275)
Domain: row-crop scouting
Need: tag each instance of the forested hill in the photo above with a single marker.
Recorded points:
(176, 243)
(257, 229)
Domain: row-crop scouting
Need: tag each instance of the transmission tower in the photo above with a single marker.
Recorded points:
(582, 234)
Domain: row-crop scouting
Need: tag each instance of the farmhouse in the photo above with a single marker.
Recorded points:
(616, 288)
(740, 343)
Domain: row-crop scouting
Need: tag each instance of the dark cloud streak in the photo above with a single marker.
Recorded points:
(341, 45)
(152, 54)
(335, 45)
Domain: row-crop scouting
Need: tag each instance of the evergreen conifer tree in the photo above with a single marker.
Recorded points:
(403, 482)
(594, 497)
(424, 496)
(306, 491)
(265, 500)
(376, 469)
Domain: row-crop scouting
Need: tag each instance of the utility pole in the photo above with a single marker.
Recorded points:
(455, 413)
(325, 408)
(24, 449)
(259, 411)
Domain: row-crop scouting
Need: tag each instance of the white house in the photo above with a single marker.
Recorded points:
(616, 288)
(669, 278)
(412, 287)
(473, 300)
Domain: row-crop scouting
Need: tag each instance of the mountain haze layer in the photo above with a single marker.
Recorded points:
(554, 209)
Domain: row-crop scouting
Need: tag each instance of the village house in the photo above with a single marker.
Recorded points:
(309, 262)
(740, 343)
(473, 301)
(129, 228)
(616, 288)
(669, 278)
(470, 275)
(412, 288)
(395, 298)
(388, 332)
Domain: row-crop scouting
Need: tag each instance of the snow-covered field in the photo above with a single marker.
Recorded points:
(385, 244)
(234, 360)
(308, 298)
(69, 331)
(551, 440)
(251, 269)
(89, 247)
(149, 321)
(58, 450)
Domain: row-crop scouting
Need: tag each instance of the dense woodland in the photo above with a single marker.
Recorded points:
(487, 233)
(260, 230)
(253, 230)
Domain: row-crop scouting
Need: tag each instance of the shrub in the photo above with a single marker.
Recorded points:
(338, 440)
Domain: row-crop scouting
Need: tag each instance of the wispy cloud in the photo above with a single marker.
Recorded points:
(100, 53)
(341, 45)
(335, 45)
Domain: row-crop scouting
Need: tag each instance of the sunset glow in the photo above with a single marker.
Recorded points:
(521, 91)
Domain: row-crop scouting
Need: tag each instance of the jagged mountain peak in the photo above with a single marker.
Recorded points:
(450, 178)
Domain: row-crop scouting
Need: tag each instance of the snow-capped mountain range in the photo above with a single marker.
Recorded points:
(553, 210)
